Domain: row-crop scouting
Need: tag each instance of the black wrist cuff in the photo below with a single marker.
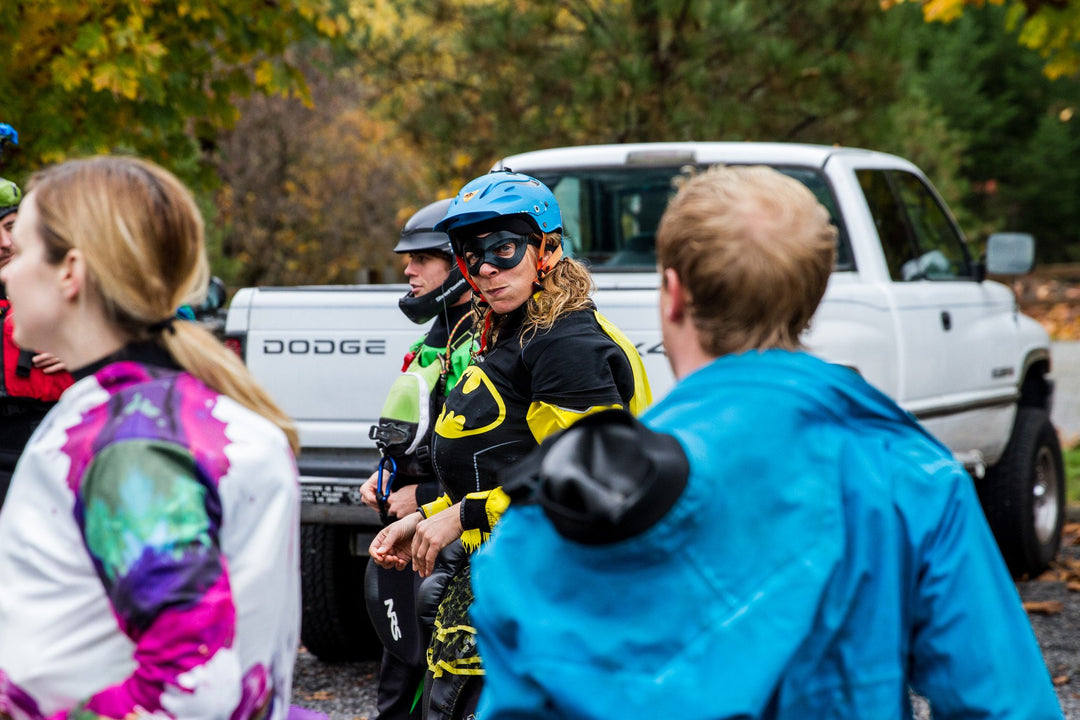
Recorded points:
(427, 492)
(474, 514)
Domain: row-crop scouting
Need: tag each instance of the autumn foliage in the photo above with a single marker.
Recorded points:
(1051, 295)
(1049, 27)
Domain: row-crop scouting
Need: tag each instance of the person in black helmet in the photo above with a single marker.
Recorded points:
(547, 359)
(433, 365)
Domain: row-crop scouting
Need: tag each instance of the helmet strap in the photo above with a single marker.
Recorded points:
(485, 333)
(465, 272)
(423, 308)
(551, 253)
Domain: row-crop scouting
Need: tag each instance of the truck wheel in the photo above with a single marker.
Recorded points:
(1023, 496)
(334, 623)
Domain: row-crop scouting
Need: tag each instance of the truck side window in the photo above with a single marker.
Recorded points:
(942, 255)
(577, 227)
(639, 210)
(892, 227)
(610, 214)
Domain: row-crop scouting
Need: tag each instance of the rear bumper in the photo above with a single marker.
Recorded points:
(330, 482)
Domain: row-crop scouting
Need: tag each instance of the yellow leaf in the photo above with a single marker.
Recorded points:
(1035, 32)
(104, 77)
(462, 160)
(327, 26)
(1062, 64)
(128, 85)
(264, 74)
(70, 71)
(155, 49)
(942, 10)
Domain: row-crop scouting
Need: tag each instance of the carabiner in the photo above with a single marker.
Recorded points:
(382, 493)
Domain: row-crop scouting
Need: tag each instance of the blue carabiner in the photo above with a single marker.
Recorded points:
(381, 493)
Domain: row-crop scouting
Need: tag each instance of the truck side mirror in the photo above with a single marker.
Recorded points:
(215, 297)
(1010, 253)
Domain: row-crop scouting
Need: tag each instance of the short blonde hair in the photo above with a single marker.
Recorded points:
(753, 248)
(141, 235)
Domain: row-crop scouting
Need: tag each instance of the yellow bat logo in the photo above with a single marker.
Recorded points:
(451, 425)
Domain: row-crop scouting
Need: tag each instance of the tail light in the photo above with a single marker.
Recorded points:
(236, 344)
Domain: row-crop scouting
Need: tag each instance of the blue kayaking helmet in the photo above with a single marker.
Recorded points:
(503, 200)
(499, 194)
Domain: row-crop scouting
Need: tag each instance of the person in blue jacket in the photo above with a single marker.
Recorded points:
(775, 539)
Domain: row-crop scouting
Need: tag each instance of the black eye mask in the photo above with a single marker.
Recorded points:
(477, 251)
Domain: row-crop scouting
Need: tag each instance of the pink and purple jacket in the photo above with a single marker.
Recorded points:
(149, 561)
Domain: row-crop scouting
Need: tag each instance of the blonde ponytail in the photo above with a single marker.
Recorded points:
(142, 236)
(198, 352)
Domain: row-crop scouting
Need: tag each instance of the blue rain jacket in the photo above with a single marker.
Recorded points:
(827, 554)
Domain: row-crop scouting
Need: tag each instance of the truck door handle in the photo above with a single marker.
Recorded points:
(946, 320)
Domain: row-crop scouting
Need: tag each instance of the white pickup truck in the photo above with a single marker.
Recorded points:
(907, 305)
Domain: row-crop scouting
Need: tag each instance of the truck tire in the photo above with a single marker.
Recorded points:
(334, 624)
(1023, 495)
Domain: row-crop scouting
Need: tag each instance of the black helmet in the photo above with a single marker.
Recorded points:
(419, 232)
(419, 235)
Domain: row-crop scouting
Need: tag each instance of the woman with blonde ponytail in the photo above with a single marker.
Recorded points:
(158, 499)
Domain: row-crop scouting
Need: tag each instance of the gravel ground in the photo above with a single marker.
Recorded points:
(346, 691)
(1053, 603)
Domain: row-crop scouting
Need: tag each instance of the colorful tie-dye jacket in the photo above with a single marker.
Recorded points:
(149, 560)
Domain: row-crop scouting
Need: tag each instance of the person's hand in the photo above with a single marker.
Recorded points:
(392, 547)
(367, 490)
(48, 363)
(432, 535)
(402, 502)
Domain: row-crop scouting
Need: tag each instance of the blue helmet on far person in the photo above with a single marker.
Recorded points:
(512, 200)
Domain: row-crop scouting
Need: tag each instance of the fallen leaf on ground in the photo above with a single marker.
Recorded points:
(1044, 607)
(1061, 680)
(1051, 575)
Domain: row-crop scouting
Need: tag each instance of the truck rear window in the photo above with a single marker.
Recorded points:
(610, 215)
